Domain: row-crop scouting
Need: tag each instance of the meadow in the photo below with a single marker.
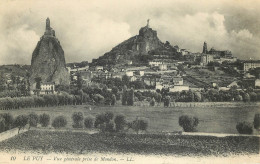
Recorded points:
(211, 119)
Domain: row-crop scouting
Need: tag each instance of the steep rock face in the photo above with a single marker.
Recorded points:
(145, 43)
(48, 61)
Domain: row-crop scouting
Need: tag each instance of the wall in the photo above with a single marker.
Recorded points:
(11, 133)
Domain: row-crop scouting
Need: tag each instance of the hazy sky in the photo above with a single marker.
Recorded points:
(88, 29)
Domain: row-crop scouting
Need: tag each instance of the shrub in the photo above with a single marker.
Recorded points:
(113, 100)
(108, 116)
(100, 119)
(99, 99)
(109, 127)
(152, 102)
(246, 97)
(44, 120)
(33, 119)
(89, 121)
(139, 124)
(167, 101)
(244, 128)
(59, 122)
(2, 124)
(9, 120)
(188, 123)
(257, 121)
(103, 121)
(120, 122)
(77, 118)
(21, 121)
(130, 97)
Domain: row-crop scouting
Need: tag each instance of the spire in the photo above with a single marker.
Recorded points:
(48, 24)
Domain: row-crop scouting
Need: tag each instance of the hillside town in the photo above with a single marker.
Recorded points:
(142, 63)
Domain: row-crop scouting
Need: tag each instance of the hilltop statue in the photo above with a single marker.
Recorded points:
(48, 24)
(148, 20)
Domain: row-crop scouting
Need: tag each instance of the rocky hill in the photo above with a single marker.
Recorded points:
(145, 45)
(48, 61)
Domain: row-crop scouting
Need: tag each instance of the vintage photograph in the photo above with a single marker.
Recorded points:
(140, 81)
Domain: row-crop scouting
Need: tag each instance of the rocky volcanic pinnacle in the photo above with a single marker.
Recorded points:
(145, 43)
(48, 61)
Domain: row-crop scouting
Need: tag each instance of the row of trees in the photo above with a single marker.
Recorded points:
(214, 95)
(44, 101)
(120, 83)
(106, 122)
(8, 122)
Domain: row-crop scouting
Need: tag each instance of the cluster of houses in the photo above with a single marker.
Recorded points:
(160, 73)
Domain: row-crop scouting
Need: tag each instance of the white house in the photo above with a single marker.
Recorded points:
(129, 73)
(155, 63)
(257, 83)
(46, 88)
(162, 67)
(179, 88)
(99, 68)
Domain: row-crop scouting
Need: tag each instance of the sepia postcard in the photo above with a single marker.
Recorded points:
(140, 81)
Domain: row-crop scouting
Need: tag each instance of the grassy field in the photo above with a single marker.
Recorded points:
(83, 143)
(211, 119)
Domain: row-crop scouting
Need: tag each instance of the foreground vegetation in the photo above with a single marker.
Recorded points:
(211, 119)
(83, 143)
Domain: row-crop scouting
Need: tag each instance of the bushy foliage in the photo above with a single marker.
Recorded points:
(246, 97)
(77, 118)
(89, 122)
(104, 121)
(109, 127)
(138, 125)
(257, 121)
(59, 122)
(124, 96)
(130, 97)
(44, 120)
(167, 101)
(244, 128)
(99, 99)
(33, 119)
(21, 121)
(152, 102)
(100, 119)
(188, 123)
(109, 116)
(9, 120)
(113, 100)
(120, 122)
(36, 101)
(2, 124)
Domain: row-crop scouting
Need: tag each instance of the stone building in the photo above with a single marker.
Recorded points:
(251, 64)
(206, 59)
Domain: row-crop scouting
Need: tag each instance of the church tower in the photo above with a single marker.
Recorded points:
(205, 48)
